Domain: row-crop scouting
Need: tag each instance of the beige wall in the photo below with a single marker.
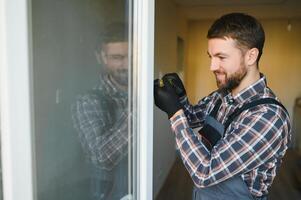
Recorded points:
(169, 24)
(281, 60)
(199, 80)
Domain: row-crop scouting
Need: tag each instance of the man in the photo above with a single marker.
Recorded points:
(101, 118)
(243, 129)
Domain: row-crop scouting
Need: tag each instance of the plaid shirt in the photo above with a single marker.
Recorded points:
(252, 147)
(101, 118)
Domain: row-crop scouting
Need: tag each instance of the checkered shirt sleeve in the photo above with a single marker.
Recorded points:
(105, 142)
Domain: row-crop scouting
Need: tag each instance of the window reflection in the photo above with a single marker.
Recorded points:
(80, 82)
(100, 116)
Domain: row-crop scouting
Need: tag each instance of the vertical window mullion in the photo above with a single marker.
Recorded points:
(143, 63)
(16, 119)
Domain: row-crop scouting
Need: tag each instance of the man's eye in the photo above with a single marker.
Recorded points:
(118, 57)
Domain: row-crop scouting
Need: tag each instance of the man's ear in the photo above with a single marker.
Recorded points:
(251, 56)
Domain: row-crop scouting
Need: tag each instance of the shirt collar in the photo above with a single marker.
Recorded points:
(248, 93)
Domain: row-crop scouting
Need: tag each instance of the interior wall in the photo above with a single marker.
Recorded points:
(199, 80)
(169, 24)
(280, 62)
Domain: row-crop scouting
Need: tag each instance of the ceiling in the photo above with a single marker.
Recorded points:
(265, 9)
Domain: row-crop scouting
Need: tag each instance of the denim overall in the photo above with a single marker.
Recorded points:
(110, 185)
(233, 188)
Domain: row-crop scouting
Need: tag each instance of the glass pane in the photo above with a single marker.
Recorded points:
(82, 89)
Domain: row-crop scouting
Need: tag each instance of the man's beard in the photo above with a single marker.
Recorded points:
(232, 81)
(120, 76)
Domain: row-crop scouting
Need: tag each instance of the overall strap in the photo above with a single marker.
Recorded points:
(246, 106)
(212, 130)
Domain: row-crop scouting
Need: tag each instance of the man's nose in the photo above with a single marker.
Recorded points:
(125, 62)
(214, 65)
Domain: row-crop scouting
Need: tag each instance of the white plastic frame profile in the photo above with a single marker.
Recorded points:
(16, 119)
(143, 60)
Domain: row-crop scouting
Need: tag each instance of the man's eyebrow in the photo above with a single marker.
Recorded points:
(217, 54)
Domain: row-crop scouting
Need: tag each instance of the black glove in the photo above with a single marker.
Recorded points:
(176, 82)
(166, 98)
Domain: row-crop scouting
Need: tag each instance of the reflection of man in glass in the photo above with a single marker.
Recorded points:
(101, 117)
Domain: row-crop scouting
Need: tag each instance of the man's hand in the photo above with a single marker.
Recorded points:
(176, 82)
(166, 97)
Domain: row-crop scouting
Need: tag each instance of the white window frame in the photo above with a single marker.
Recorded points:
(143, 34)
(16, 98)
(16, 113)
